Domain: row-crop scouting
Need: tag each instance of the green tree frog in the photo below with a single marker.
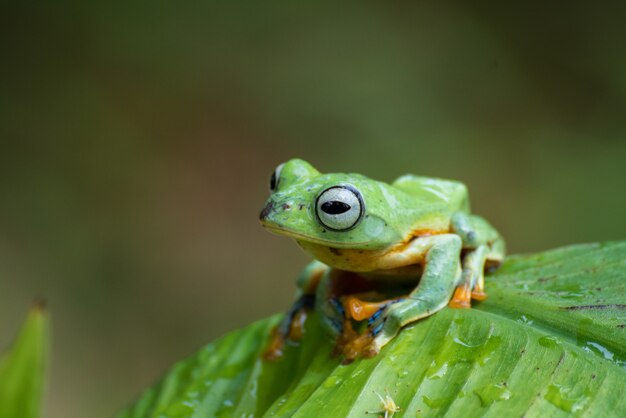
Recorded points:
(386, 255)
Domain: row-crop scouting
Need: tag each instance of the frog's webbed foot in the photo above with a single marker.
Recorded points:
(364, 345)
(345, 338)
(472, 285)
(385, 324)
(290, 328)
(350, 343)
(484, 248)
(331, 306)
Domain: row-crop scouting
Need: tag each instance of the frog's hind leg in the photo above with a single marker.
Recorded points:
(328, 305)
(339, 307)
(291, 327)
(472, 285)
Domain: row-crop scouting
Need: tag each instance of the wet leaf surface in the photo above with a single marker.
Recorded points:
(549, 341)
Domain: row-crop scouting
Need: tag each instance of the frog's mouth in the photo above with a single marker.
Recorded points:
(278, 230)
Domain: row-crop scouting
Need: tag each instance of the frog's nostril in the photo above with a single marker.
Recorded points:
(266, 211)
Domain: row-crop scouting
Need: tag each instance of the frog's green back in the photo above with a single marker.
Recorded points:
(452, 193)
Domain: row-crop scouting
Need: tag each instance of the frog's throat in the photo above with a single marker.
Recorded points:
(315, 240)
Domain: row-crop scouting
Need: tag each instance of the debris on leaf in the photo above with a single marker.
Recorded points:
(389, 407)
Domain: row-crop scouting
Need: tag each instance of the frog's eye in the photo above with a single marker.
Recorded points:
(339, 208)
(275, 178)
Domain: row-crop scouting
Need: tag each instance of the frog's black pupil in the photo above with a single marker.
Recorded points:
(273, 181)
(335, 207)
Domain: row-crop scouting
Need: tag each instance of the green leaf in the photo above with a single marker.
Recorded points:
(549, 341)
(22, 369)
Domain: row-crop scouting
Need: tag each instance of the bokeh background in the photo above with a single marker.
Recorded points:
(137, 143)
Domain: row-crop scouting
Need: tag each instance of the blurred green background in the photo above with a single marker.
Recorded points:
(138, 141)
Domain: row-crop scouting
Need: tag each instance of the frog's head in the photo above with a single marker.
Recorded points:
(333, 210)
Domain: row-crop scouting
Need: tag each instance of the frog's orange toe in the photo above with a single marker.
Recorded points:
(359, 346)
(461, 298)
(274, 349)
(459, 304)
(345, 338)
(296, 329)
(479, 295)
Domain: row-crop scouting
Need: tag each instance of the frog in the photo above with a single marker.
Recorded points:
(385, 255)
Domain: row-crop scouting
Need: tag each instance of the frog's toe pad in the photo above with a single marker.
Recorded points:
(459, 304)
(296, 327)
(477, 295)
(362, 346)
(274, 350)
(461, 298)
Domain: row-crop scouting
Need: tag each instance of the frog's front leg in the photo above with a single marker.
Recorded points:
(441, 274)
(291, 326)
(484, 247)
(472, 283)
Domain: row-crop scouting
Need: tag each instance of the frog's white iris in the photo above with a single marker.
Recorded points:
(275, 178)
(339, 208)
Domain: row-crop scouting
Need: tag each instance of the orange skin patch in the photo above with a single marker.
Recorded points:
(359, 309)
(419, 233)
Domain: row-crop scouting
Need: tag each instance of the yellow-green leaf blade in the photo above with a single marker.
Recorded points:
(22, 369)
